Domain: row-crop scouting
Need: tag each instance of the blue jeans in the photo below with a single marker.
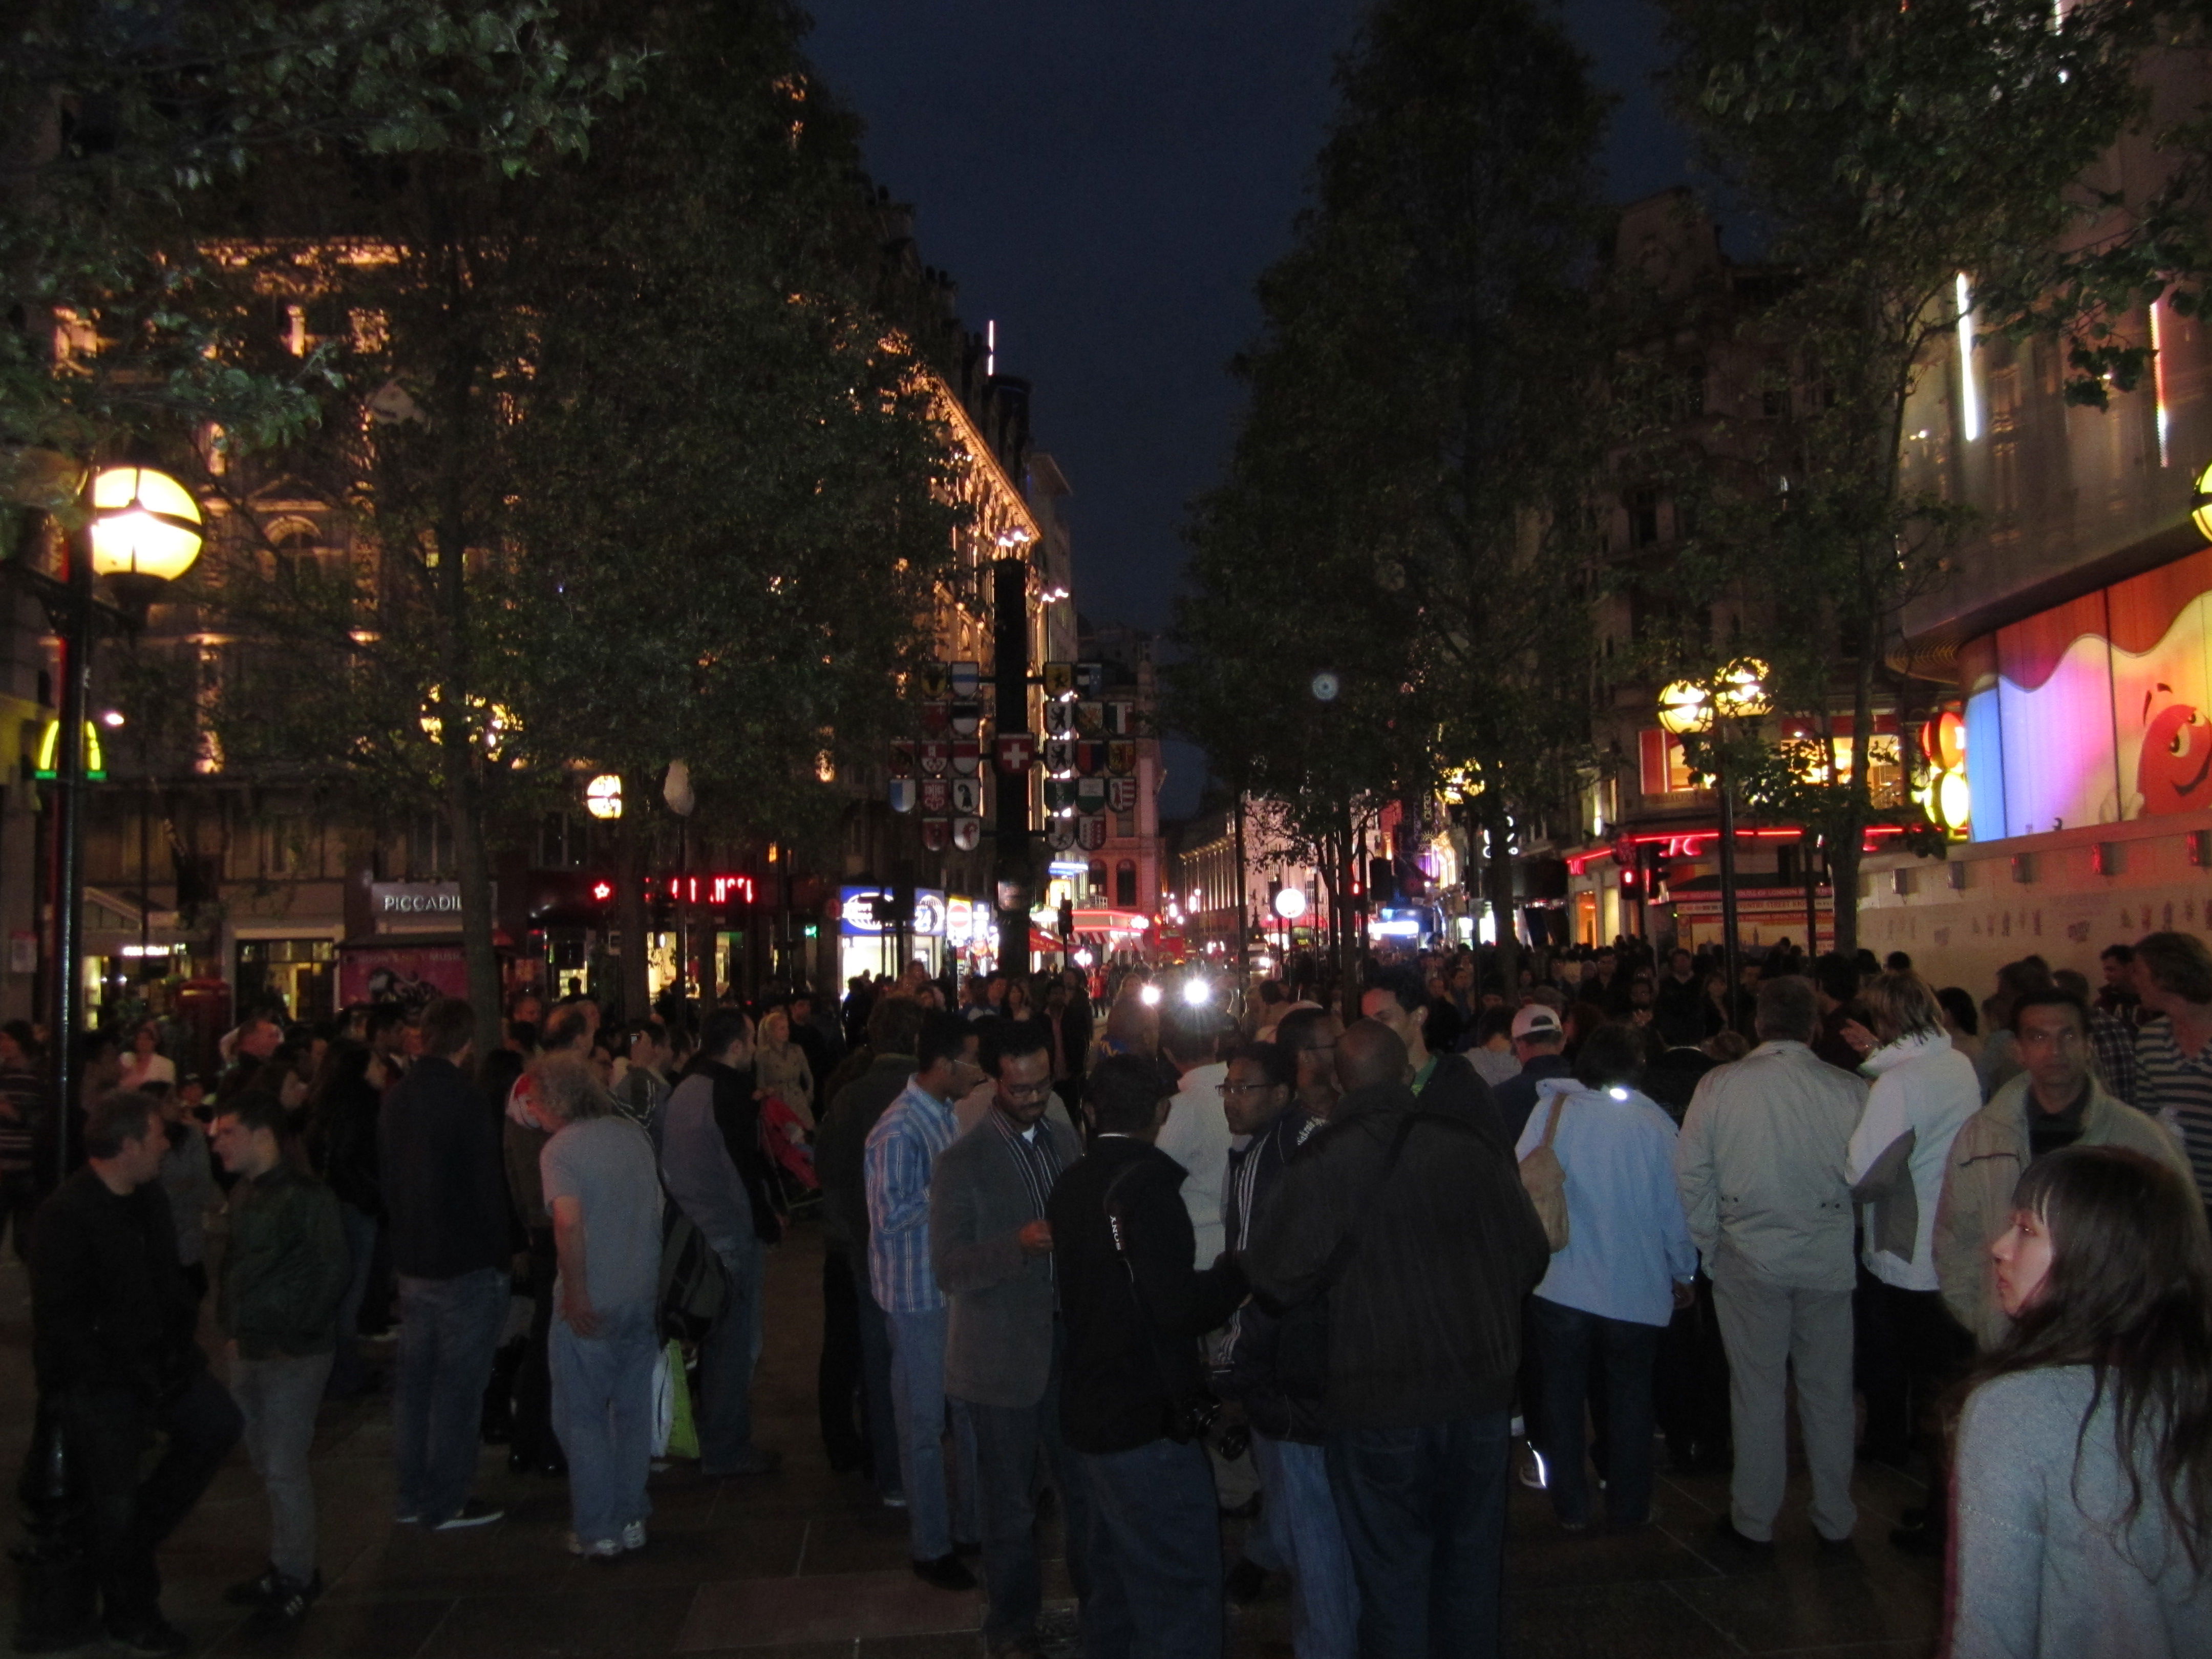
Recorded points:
(918, 1405)
(1424, 1515)
(1154, 1554)
(603, 1414)
(1572, 1341)
(1305, 1530)
(1016, 1446)
(347, 1373)
(277, 1398)
(448, 1328)
(726, 1360)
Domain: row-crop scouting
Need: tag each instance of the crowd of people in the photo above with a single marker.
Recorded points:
(1151, 1262)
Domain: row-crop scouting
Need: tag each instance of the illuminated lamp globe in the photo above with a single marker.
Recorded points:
(602, 797)
(2202, 515)
(1742, 694)
(1954, 801)
(144, 523)
(1291, 903)
(1684, 708)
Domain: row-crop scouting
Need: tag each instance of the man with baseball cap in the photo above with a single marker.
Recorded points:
(1537, 1035)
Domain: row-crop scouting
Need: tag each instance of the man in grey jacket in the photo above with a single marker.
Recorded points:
(991, 1250)
(1761, 1165)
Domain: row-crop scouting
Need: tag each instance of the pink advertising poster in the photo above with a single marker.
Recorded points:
(410, 973)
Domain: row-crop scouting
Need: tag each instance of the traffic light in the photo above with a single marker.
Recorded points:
(1067, 920)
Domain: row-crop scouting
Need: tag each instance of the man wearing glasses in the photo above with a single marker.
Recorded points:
(991, 1250)
(1310, 1036)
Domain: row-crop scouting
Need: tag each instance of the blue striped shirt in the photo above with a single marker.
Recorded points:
(2176, 1089)
(901, 1152)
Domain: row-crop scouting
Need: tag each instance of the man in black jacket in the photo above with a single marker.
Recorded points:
(111, 1318)
(445, 1195)
(1134, 1313)
(1445, 1081)
(1424, 1337)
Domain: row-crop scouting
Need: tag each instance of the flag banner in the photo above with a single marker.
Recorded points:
(1122, 757)
(1058, 679)
(936, 797)
(1091, 831)
(967, 717)
(902, 794)
(936, 834)
(1090, 679)
(1060, 720)
(903, 760)
(936, 757)
(967, 796)
(933, 680)
(1017, 750)
(1122, 794)
(967, 833)
(967, 679)
(967, 756)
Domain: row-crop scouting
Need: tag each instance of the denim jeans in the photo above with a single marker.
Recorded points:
(107, 1430)
(277, 1398)
(876, 1388)
(918, 1403)
(1424, 1515)
(727, 1361)
(1016, 1447)
(447, 1330)
(1574, 1341)
(1154, 1554)
(349, 1374)
(1305, 1530)
(603, 1414)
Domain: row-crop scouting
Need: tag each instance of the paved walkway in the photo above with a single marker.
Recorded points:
(805, 1565)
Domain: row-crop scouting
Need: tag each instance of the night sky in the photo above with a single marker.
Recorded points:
(1106, 179)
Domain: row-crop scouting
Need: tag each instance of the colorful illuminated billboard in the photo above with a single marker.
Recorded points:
(2095, 711)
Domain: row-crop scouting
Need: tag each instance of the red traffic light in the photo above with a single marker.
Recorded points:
(603, 890)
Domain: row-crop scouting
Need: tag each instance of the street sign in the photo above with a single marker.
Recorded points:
(902, 794)
(933, 681)
(1090, 679)
(966, 833)
(1017, 750)
(903, 760)
(1059, 755)
(936, 717)
(1091, 831)
(967, 756)
(1060, 720)
(967, 796)
(1122, 757)
(936, 796)
(1060, 834)
(1090, 719)
(936, 834)
(936, 757)
(1122, 794)
(1058, 679)
(967, 679)
(966, 718)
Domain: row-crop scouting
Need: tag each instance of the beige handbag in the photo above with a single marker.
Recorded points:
(1545, 1181)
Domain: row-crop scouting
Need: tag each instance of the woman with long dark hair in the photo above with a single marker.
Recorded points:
(2084, 1461)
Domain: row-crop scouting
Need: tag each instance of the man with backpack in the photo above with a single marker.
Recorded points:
(1423, 1254)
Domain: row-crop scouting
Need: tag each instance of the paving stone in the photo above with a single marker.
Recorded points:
(757, 1612)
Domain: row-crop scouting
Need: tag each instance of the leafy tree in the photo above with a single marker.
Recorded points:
(629, 466)
(1890, 152)
(1415, 469)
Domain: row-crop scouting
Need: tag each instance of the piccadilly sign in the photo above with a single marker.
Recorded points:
(856, 913)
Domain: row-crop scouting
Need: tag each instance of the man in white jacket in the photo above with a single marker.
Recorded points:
(1923, 1092)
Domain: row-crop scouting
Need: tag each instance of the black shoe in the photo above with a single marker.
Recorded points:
(1926, 1542)
(947, 1572)
(474, 1513)
(287, 1606)
(254, 1591)
(159, 1640)
(1731, 1543)
(1246, 1582)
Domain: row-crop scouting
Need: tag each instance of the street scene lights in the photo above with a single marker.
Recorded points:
(1688, 708)
(144, 532)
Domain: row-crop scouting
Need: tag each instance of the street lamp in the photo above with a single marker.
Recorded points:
(1739, 692)
(143, 530)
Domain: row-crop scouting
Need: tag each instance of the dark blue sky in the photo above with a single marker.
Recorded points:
(1106, 179)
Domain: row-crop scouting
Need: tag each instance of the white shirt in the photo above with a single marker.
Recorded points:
(1196, 1136)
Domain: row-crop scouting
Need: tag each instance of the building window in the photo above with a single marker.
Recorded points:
(1642, 518)
(1125, 884)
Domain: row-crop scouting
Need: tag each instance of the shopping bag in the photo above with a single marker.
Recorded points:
(683, 1440)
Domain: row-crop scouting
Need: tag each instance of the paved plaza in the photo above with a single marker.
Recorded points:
(806, 1565)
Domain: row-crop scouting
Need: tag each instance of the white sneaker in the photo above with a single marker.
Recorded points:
(633, 1536)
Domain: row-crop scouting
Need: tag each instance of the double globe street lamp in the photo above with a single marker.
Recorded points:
(1689, 708)
(142, 531)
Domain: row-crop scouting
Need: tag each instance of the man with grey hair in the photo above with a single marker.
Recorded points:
(603, 1191)
(1761, 1163)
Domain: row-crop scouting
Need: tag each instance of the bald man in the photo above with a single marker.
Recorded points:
(1424, 1324)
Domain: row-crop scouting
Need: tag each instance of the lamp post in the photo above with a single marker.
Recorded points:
(144, 531)
(1686, 707)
